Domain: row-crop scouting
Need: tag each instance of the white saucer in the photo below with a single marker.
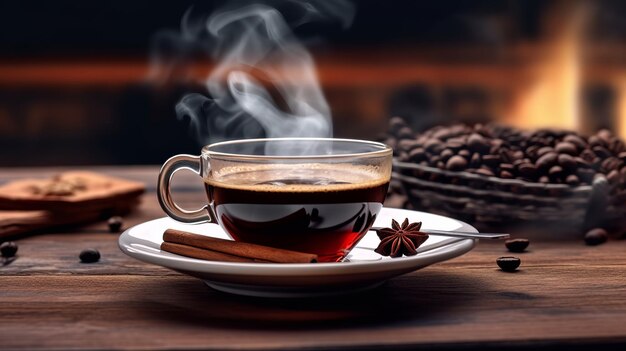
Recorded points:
(363, 269)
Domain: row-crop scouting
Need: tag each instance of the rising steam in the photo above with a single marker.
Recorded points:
(264, 82)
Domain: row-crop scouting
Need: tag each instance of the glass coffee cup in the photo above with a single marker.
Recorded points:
(314, 195)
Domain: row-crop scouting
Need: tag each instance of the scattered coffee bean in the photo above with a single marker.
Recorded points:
(89, 256)
(8, 249)
(596, 236)
(115, 224)
(508, 264)
(517, 245)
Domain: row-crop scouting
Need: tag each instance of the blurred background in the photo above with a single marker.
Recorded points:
(77, 82)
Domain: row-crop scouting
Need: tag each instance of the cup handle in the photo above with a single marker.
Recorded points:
(171, 166)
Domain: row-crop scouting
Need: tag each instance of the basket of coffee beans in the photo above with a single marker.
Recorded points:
(492, 174)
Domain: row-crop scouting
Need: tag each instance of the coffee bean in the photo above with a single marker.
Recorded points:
(587, 155)
(442, 134)
(611, 163)
(433, 146)
(8, 249)
(405, 133)
(476, 160)
(565, 148)
(491, 160)
(532, 151)
(544, 150)
(576, 140)
(595, 141)
(478, 143)
(508, 264)
(555, 171)
(506, 175)
(601, 151)
(89, 256)
(115, 224)
(544, 179)
(456, 163)
(605, 134)
(622, 156)
(418, 154)
(567, 162)
(507, 167)
(596, 236)
(454, 145)
(496, 144)
(617, 146)
(546, 161)
(407, 145)
(485, 172)
(613, 176)
(581, 163)
(585, 175)
(527, 170)
(465, 153)
(517, 154)
(572, 180)
(517, 245)
(395, 124)
(446, 154)
(505, 156)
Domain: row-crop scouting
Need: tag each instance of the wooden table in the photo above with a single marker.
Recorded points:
(566, 295)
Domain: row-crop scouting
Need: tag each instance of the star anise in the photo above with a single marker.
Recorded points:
(400, 239)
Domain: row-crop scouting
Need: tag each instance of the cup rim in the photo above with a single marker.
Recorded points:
(384, 149)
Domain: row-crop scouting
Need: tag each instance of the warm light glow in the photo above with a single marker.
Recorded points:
(552, 98)
(621, 112)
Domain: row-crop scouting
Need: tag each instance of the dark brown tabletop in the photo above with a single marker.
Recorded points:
(566, 295)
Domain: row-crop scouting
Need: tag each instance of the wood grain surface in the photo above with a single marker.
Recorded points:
(565, 296)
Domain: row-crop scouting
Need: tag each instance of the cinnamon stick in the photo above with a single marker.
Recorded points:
(203, 254)
(241, 250)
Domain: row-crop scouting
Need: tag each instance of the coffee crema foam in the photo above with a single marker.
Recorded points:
(314, 177)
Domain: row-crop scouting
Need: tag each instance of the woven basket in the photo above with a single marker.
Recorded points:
(490, 202)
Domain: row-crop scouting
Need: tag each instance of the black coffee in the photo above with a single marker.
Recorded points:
(315, 215)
